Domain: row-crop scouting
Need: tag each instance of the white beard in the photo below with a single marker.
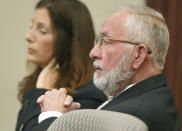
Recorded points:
(111, 81)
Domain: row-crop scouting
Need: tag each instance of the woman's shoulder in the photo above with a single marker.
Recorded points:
(33, 93)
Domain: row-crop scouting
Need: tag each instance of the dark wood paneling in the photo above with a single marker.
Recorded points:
(172, 11)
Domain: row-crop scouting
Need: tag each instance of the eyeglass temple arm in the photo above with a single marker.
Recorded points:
(133, 43)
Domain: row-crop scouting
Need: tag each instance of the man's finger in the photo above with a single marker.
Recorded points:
(47, 93)
(62, 94)
(68, 100)
(74, 106)
(40, 99)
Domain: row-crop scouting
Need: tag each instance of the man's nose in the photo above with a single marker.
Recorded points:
(95, 53)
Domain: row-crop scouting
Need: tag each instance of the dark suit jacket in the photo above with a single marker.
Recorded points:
(150, 100)
(88, 96)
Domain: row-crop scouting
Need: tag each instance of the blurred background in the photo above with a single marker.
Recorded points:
(15, 21)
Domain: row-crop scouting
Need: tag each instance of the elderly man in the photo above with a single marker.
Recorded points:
(129, 56)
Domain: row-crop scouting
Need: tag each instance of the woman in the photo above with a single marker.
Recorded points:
(59, 40)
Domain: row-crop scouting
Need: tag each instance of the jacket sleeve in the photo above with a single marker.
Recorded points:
(28, 115)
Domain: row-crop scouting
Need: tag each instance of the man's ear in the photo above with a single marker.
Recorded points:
(140, 54)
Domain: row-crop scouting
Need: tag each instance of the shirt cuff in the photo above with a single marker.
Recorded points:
(48, 114)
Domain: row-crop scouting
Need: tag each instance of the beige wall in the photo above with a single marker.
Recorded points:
(15, 20)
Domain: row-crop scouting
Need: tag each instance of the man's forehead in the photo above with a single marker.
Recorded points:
(113, 24)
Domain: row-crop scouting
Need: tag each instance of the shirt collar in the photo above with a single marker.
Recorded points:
(126, 88)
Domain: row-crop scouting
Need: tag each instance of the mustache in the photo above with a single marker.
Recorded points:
(98, 65)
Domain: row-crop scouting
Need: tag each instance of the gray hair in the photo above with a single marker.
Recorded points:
(148, 26)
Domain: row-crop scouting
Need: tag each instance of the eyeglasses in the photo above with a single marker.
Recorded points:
(99, 40)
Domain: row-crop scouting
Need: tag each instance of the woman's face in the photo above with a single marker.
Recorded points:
(40, 38)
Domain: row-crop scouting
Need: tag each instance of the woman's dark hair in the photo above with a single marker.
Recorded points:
(75, 36)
